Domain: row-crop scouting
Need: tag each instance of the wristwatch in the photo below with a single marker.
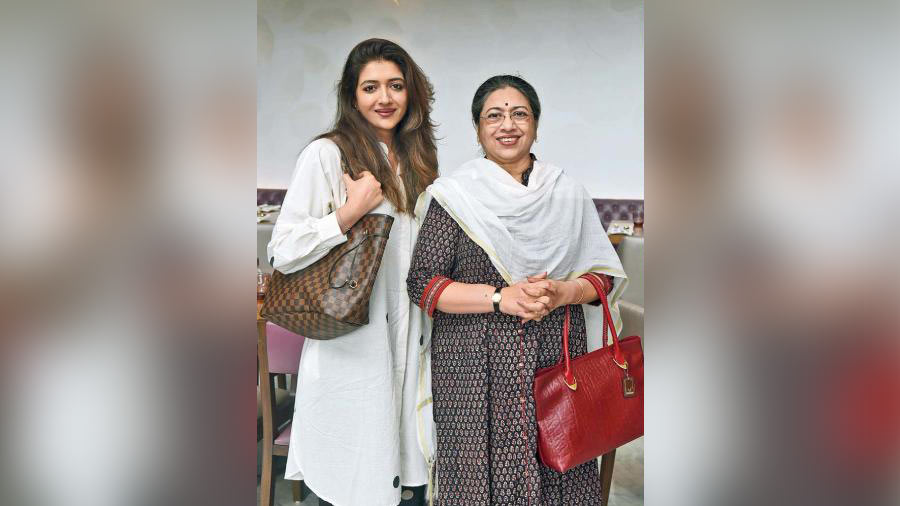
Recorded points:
(496, 300)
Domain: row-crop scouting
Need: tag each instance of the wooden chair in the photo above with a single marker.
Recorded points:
(284, 405)
(277, 353)
(607, 462)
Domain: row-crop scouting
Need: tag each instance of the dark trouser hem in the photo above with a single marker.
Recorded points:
(418, 497)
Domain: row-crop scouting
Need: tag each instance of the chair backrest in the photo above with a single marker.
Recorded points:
(284, 348)
(631, 252)
(263, 236)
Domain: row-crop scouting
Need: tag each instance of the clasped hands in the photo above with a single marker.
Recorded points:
(537, 296)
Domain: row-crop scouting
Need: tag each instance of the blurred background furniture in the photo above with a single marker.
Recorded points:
(617, 209)
(263, 236)
(277, 353)
(270, 195)
(631, 252)
(284, 404)
(631, 305)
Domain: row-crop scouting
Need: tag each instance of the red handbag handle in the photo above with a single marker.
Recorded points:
(618, 358)
(567, 373)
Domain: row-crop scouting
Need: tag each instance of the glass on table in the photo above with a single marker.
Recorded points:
(262, 282)
(638, 218)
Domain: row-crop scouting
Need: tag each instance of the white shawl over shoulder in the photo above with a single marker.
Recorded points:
(550, 225)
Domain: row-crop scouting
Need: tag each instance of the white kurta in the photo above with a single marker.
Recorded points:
(354, 434)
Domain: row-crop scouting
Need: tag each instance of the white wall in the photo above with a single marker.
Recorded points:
(585, 58)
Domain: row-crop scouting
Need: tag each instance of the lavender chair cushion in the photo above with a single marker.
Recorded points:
(284, 349)
(284, 437)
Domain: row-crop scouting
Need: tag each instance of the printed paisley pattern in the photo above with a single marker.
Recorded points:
(483, 369)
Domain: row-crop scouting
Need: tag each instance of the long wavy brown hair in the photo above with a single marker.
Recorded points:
(414, 143)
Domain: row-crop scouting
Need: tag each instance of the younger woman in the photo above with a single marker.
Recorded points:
(354, 439)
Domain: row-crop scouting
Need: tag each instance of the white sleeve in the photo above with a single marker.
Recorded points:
(307, 227)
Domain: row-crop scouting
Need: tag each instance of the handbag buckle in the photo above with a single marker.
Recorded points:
(572, 386)
(353, 283)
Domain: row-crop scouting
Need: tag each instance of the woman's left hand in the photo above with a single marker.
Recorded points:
(553, 294)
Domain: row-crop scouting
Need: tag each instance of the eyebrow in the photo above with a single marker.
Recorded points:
(510, 109)
(372, 81)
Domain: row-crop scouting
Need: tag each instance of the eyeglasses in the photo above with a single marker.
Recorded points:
(519, 116)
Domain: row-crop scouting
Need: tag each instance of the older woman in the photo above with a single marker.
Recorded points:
(503, 246)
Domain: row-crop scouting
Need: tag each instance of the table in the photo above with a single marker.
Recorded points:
(615, 239)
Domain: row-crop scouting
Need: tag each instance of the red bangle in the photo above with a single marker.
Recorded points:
(432, 291)
(438, 290)
(427, 290)
(603, 280)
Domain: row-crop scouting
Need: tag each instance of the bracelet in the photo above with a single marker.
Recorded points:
(580, 286)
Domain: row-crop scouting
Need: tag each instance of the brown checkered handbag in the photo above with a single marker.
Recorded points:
(330, 298)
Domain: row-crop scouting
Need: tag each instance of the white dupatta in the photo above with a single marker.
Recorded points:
(550, 225)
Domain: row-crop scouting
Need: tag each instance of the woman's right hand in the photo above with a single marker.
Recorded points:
(363, 195)
(514, 297)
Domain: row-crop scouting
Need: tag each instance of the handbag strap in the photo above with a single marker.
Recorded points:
(567, 373)
(345, 168)
(367, 235)
(355, 251)
(618, 357)
(608, 322)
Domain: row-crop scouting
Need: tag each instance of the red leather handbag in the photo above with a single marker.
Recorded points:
(593, 404)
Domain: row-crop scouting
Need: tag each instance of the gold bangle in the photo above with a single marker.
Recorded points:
(580, 286)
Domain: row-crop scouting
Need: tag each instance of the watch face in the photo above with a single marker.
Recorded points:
(496, 296)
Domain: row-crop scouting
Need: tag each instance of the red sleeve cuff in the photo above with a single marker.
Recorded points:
(432, 293)
(604, 281)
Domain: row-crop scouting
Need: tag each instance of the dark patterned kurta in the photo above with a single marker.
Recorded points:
(483, 368)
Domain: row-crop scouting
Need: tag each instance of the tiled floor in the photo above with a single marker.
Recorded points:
(627, 488)
(628, 475)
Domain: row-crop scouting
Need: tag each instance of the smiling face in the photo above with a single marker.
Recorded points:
(509, 140)
(381, 96)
